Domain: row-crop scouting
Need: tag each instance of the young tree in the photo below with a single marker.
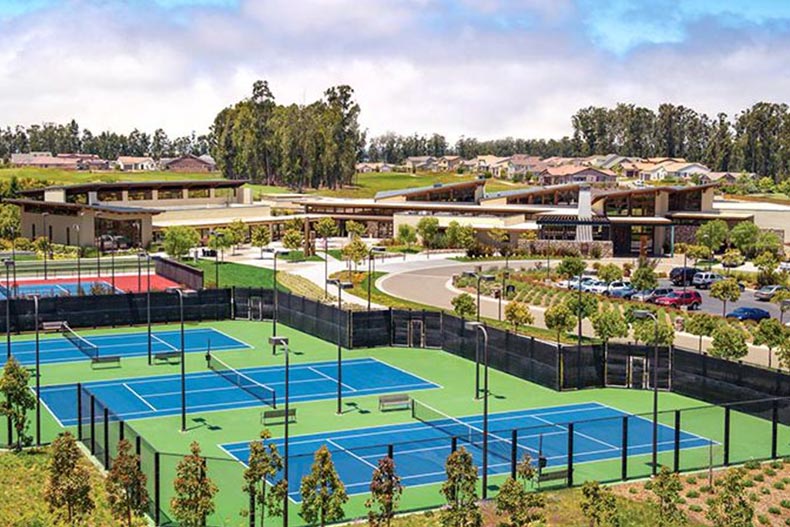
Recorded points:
(783, 353)
(743, 236)
(732, 258)
(293, 239)
(467, 237)
(713, 234)
(355, 251)
(194, 490)
(518, 314)
(261, 237)
(726, 291)
(325, 228)
(220, 240)
(17, 400)
(451, 234)
(355, 229)
(502, 240)
(610, 273)
(698, 252)
(729, 342)
(323, 494)
(667, 488)
(559, 319)
(609, 324)
(779, 299)
(702, 325)
(581, 305)
(385, 493)
(263, 465)
(768, 241)
(770, 333)
(599, 505)
(767, 263)
(68, 488)
(644, 277)
(428, 229)
(645, 331)
(236, 232)
(520, 506)
(730, 505)
(407, 235)
(460, 491)
(464, 305)
(571, 267)
(179, 240)
(125, 484)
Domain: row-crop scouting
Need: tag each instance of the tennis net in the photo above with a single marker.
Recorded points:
(497, 446)
(259, 391)
(88, 348)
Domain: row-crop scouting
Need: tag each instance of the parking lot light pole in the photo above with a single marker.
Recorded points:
(276, 341)
(477, 326)
(505, 276)
(643, 314)
(479, 276)
(372, 260)
(340, 286)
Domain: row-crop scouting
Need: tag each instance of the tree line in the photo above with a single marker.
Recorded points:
(754, 140)
(70, 138)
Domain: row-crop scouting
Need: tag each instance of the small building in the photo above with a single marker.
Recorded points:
(135, 164)
(576, 174)
(449, 163)
(420, 163)
(190, 163)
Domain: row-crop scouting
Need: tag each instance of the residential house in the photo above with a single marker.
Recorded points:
(496, 165)
(365, 168)
(190, 163)
(726, 178)
(45, 160)
(420, 163)
(448, 163)
(521, 165)
(576, 174)
(135, 164)
(657, 160)
(684, 171)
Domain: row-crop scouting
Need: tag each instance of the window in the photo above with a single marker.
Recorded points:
(171, 193)
(140, 195)
(110, 195)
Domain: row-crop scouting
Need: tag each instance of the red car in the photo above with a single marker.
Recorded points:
(691, 299)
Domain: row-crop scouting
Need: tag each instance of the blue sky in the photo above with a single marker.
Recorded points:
(476, 67)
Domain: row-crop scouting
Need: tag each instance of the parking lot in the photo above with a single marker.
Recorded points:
(713, 306)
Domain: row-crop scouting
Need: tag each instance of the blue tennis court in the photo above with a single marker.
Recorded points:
(57, 289)
(60, 349)
(597, 437)
(159, 396)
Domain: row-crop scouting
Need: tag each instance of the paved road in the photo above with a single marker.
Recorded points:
(713, 306)
(431, 285)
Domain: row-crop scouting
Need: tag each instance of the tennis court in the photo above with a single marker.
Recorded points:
(57, 288)
(207, 391)
(61, 349)
(423, 446)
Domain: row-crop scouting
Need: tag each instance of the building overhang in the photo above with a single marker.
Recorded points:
(54, 206)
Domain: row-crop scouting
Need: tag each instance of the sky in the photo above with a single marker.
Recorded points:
(481, 68)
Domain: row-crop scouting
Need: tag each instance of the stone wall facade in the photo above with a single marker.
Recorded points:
(599, 249)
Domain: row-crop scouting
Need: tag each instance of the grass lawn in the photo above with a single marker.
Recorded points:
(233, 274)
(298, 256)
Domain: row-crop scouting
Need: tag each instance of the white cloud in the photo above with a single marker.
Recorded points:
(416, 65)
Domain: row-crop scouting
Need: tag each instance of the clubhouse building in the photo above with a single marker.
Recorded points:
(620, 221)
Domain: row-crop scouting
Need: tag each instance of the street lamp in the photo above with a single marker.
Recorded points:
(181, 294)
(9, 264)
(46, 249)
(505, 276)
(340, 286)
(479, 276)
(643, 314)
(217, 235)
(283, 341)
(477, 326)
(371, 258)
(140, 256)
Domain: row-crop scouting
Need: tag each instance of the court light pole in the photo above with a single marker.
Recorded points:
(79, 261)
(643, 314)
(112, 263)
(283, 341)
(38, 373)
(274, 299)
(505, 276)
(372, 259)
(340, 286)
(181, 294)
(46, 234)
(9, 294)
(479, 276)
(477, 326)
(140, 256)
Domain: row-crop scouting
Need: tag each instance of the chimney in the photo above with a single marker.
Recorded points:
(584, 232)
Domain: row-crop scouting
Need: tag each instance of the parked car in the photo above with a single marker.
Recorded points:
(690, 299)
(704, 280)
(749, 313)
(683, 275)
(619, 289)
(649, 295)
(784, 266)
(594, 286)
(573, 283)
(767, 292)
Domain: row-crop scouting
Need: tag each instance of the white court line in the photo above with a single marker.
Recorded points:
(149, 405)
(350, 453)
(53, 414)
(661, 425)
(580, 434)
(153, 336)
(325, 376)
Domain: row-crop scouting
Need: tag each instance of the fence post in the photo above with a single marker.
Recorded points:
(391, 451)
(79, 412)
(774, 428)
(677, 441)
(624, 453)
(726, 436)
(121, 431)
(570, 455)
(513, 453)
(93, 424)
(454, 444)
(391, 326)
(106, 438)
(138, 449)
(156, 488)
